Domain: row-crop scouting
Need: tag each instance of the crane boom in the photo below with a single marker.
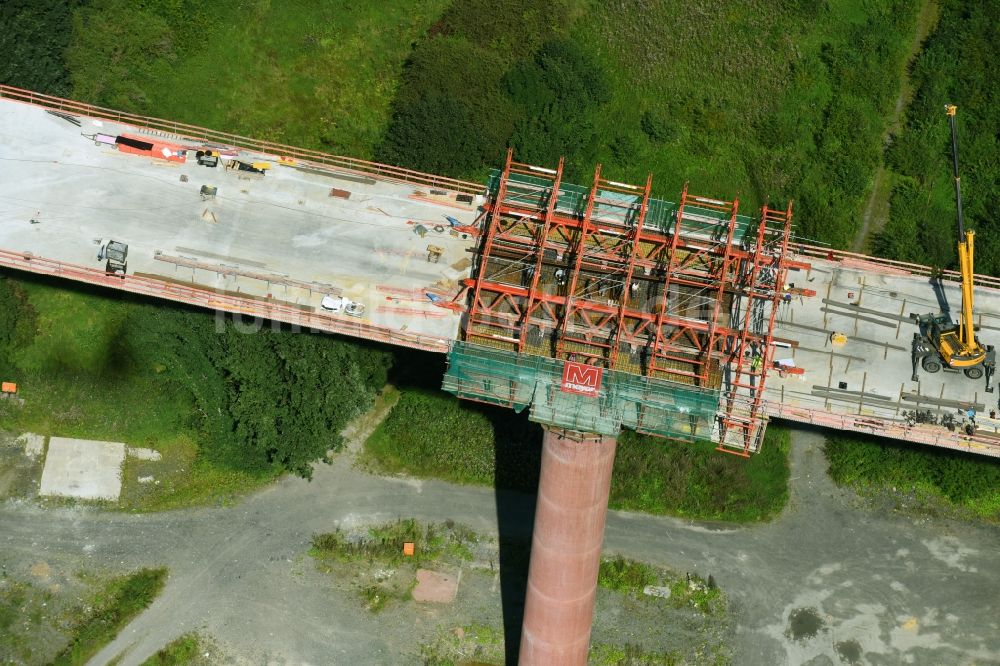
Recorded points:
(940, 343)
(966, 243)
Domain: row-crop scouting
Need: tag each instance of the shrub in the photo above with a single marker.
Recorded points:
(963, 481)
(33, 41)
(127, 597)
(624, 575)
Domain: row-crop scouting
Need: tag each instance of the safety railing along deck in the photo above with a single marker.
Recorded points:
(194, 132)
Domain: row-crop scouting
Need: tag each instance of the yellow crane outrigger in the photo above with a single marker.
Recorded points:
(940, 342)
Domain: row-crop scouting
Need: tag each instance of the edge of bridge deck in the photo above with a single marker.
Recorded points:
(798, 257)
(194, 132)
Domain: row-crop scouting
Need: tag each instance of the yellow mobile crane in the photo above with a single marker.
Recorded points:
(941, 343)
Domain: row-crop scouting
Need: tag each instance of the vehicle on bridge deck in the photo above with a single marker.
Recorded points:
(338, 304)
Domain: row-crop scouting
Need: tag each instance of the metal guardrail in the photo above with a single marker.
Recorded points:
(267, 278)
(25, 261)
(922, 434)
(196, 133)
(890, 264)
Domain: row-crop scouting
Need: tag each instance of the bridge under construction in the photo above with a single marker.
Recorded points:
(596, 306)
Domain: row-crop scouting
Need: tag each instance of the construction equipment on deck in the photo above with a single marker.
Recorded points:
(115, 253)
(940, 342)
(257, 168)
(208, 158)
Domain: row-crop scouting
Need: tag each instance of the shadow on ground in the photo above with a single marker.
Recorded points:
(517, 463)
(516, 489)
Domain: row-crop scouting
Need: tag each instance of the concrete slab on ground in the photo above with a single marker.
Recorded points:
(83, 468)
(435, 586)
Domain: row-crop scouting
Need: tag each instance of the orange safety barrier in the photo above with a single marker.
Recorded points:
(408, 549)
(8, 387)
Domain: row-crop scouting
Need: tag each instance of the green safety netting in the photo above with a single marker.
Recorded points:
(531, 191)
(516, 380)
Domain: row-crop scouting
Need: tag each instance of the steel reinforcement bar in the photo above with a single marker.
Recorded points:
(194, 132)
(25, 261)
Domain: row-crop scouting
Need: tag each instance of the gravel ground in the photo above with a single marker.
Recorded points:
(830, 580)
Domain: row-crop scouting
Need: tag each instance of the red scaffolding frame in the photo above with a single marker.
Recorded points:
(742, 422)
(586, 275)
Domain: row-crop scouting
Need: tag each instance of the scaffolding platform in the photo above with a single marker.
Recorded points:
(670, 299)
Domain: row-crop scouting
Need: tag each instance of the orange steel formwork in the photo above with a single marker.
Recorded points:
(607, 276)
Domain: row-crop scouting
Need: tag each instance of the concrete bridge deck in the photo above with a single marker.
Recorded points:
(273, 245)
(866, 385)
(282, 240)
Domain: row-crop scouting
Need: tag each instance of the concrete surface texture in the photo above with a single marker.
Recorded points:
(62, 194)
(34, 445)
(871, 375)
(83, 468)
(829, 576)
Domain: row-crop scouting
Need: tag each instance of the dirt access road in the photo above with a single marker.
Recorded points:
(876, 212)
(828, 581)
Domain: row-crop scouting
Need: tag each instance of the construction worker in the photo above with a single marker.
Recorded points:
(756, 363)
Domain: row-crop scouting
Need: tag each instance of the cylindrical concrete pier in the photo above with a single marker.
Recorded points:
(566, 549)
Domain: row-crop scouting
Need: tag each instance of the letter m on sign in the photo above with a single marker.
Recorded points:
(582, 379)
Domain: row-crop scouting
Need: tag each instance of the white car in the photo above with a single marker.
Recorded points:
(338, 304)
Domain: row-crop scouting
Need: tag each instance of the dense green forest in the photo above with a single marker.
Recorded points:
(34, 39)
(260, 399)
(763, 101)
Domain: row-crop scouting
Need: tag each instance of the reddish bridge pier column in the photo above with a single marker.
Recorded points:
(566, 548)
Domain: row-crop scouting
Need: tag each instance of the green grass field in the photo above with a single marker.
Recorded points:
(433, 434)
(79, 379)
(317, 75)
(757, 100)
(655, 475)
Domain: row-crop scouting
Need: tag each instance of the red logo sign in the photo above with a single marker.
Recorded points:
(582, 379)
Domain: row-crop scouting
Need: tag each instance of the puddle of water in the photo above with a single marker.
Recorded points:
(849, 651)
(804, 623)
